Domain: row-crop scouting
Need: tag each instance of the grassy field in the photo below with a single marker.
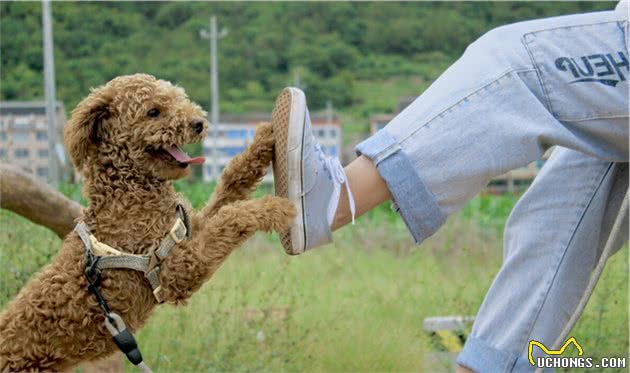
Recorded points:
(355, 305)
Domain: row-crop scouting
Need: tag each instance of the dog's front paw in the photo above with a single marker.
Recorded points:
(260, 151)
(264, 133)
(280, 212)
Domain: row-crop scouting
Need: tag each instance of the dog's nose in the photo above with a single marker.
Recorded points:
(197, 125)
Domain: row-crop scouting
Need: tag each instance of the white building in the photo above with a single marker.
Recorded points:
(235, 132)
(24, 135)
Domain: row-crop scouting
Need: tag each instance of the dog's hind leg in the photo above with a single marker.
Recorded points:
(190, 265)
(244, 172)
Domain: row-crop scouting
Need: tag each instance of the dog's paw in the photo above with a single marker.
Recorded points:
(264, 131)
(280, 212)
(264, 134)
(260, 152)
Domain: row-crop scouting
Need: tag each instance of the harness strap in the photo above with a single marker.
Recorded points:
(137, 263)
(180, 231)
(177, 234)
(154, 280)
(84, 234)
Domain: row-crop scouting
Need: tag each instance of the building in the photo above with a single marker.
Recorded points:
(512, 181)
(234, 132)
(379, 121)
(24, 135)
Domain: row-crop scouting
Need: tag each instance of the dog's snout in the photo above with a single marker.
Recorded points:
(197, 125)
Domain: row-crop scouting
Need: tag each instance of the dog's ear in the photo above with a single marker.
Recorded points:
(83, 128)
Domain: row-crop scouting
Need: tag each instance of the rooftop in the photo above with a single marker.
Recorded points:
(403, 102)
(26, 107)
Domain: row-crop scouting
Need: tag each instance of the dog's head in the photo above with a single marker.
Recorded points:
(137, 123)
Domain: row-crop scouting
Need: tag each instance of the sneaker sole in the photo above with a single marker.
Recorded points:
(287, 120)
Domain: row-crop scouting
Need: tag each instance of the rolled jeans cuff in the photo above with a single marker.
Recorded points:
(483, 358)
(415, 203)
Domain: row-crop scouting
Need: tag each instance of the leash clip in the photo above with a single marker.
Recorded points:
(123, 337)
(92, 273)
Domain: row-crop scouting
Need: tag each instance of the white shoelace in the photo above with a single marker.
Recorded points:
(338, 176)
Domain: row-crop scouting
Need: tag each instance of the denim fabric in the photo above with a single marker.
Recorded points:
(553, 240)
(412, 200)
(515, 92)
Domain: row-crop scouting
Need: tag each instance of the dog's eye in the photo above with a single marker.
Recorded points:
(153, 113)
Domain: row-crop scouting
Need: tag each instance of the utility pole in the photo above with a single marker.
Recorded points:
(213, 36)
(329, 112)
(297, 81)
(49, 81)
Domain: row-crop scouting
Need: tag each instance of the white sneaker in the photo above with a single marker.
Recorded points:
(304, 174)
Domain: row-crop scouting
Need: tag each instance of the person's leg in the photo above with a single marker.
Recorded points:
(516, 91)
(553, 240)
(368, 189)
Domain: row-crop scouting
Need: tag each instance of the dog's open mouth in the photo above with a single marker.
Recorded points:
(175, 154)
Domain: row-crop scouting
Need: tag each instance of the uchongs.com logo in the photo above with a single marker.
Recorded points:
(554, 358)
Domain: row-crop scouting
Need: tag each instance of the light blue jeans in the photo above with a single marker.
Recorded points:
(515, 92)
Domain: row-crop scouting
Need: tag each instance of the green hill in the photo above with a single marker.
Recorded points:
(349, 53)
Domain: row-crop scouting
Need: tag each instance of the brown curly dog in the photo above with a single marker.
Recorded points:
(124, 138)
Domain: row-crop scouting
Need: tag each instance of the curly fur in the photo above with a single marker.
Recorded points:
(54, 322)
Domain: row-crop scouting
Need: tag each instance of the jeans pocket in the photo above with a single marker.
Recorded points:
(583, 69)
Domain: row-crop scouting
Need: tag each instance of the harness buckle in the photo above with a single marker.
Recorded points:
(156, 294)
(178, 232)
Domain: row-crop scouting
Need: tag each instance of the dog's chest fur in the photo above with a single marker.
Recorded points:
(130, 216)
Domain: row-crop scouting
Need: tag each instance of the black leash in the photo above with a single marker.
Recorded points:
(123, 338)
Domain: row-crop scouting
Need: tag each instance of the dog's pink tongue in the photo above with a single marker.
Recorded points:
(182, 157)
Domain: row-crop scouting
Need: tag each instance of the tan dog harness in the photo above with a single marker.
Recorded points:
(100, 256)
(106, 257)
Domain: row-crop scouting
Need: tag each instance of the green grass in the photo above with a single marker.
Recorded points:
(356, 305)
